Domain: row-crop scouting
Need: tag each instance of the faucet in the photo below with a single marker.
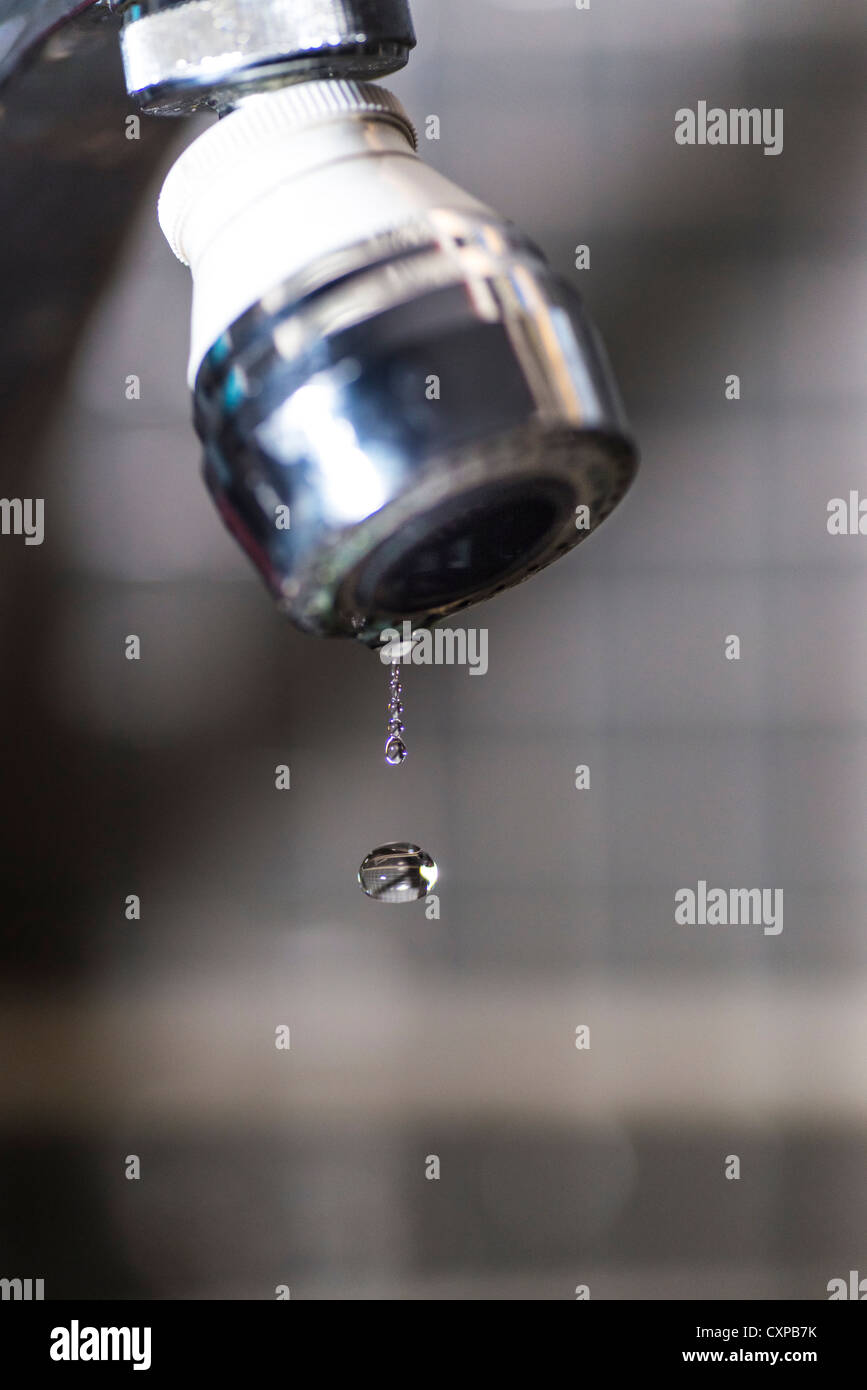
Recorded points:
(403, 409)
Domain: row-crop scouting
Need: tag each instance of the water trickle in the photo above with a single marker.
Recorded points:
(395, 749)
(397, 874)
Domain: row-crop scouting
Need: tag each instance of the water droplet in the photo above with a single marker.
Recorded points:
(395, 750)
(398, 874)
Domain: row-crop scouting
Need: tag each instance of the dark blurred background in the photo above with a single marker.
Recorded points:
(456, 1038)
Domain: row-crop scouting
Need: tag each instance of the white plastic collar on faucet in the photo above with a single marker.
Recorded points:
(289, 177)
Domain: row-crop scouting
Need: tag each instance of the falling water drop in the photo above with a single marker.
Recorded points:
(397, 874)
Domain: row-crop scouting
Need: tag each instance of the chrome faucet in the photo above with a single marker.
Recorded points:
(403, 409)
